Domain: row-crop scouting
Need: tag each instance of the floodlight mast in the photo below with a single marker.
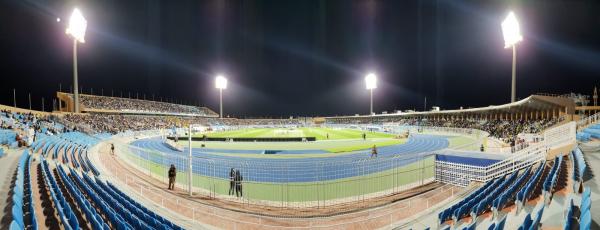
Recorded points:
(512, 36)
(76, 29)
(221, 84)
(371, 83)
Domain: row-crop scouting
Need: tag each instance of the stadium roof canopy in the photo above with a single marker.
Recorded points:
(532, 106)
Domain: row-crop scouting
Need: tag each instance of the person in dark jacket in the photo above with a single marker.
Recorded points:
(172, 175)
(374, 151)
(238, 184)
(232, 181)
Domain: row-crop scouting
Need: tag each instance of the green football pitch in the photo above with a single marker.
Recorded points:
(318, 133)
(340, 140)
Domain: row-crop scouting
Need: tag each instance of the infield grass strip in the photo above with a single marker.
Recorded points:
(334, 146)
(318, 133)
(463, 143)
(305, 191)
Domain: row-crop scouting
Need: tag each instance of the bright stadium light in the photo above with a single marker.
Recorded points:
(512, 36)
(77, 26)
(511, 30)
(371, 83)
(221, 84)
(76, 29)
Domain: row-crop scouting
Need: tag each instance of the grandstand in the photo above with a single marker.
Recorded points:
(254, 114)
(438, 178)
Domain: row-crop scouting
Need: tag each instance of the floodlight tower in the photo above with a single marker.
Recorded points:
(512, 36)
(371, 83)
(76, 29)
(221, 84)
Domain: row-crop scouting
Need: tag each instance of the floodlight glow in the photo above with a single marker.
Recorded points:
(77, 26)
(57, 19)
(221, 82)
(371, 81)
(511, 30)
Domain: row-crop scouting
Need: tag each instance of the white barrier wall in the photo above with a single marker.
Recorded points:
(463, 175)
(561, 135)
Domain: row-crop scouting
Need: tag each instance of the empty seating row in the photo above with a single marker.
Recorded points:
(465, 209)
(487, 201)
(65, 213)
(592, 131)
(532, 224)
(124, 217)
(135, 216)
(579, 217)
(583, 136)
(525, 194)
(498, 225)
(23, 196)
(447, 214)
(146, 210)
(509, 195)
(90, 212)
(550, 181)
(140, 212)
(578, 164)
(70, 146)
(113, 213)
(585, 219)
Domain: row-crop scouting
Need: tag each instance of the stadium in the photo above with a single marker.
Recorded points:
(96, 160)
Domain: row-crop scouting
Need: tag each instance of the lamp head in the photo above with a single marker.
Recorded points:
(371, 81)
(511, 30)
(77, 26)
(221, 82)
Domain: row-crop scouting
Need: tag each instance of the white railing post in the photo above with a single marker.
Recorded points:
(190, 161)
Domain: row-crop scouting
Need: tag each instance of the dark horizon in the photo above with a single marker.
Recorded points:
(301, 58)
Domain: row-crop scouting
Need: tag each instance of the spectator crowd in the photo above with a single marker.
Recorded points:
(116, 123)
(136, 105)
(504, 130)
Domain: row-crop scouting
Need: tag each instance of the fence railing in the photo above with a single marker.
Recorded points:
(584, 122)
(300, 182)
(463, 174)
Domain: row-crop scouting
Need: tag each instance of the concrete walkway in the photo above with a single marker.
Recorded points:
(195, 214)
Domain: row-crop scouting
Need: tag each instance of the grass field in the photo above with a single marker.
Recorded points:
(318, 133)
(340, 140)
(304, 191)
(335, 146)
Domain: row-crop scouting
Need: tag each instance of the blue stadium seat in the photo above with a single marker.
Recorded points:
(15, 226)
(586, 220)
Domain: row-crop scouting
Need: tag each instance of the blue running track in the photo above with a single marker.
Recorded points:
(310, 169)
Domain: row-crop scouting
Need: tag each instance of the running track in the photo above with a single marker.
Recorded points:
(297, 169)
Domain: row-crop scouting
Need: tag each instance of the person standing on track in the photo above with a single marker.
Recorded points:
(112, 149)
(172, 175)
(374, 151)
(238, 183)
(232, 181)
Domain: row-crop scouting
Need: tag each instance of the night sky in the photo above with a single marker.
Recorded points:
(301, 57)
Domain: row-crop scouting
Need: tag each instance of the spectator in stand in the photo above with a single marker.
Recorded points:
(127, 104)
